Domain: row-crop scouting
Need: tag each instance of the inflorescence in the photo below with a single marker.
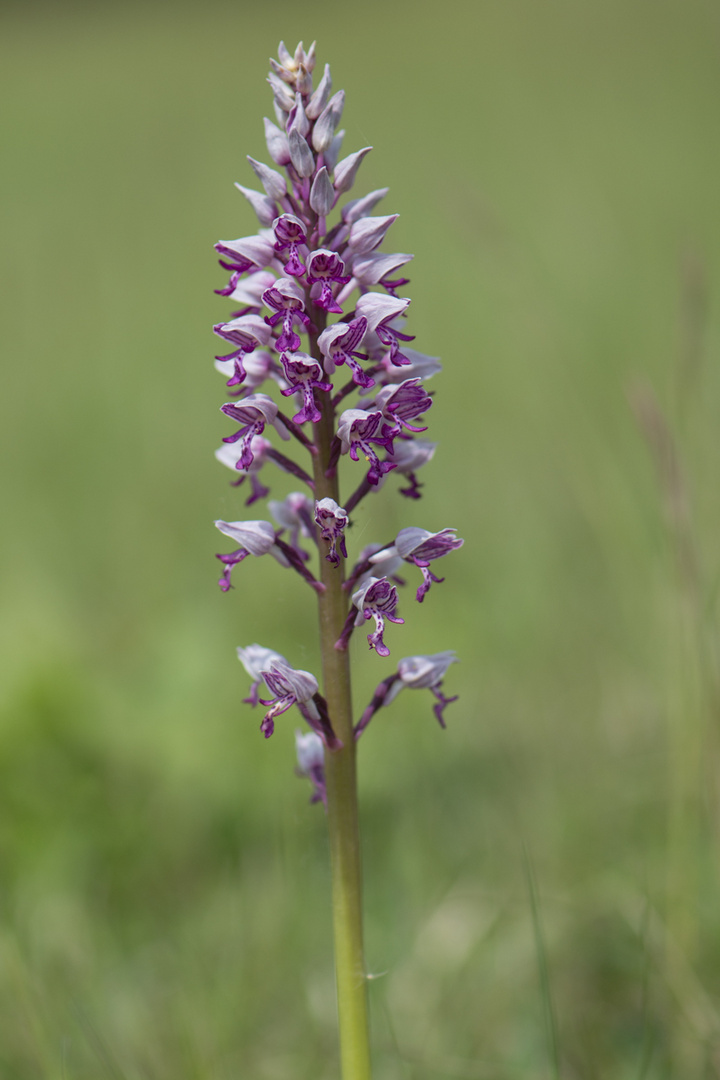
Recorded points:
(310, 261)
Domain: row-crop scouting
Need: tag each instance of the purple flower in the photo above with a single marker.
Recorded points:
(290, 235)
(376, 599)
(427, 673)
(380, 312)
(409, 455)
(310, 751)
(292, 687)
(258, 365)
(420, 547)
(256, 659)
(302, 265)
(288, 300)
(289, 687)
(248, 332)
(255, 538)
(260, 538)
(339, 342)
(323, 267)
(259, 446)
(253, 412)
(246, 253)
(331, 519)
(404, 402)
(304, 373)
(415, 673)
(357, 432)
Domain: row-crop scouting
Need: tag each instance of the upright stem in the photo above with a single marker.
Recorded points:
(341, 782)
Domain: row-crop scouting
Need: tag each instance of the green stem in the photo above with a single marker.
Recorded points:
(341, 781)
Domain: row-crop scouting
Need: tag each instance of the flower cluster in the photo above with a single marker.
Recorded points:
(318, 315)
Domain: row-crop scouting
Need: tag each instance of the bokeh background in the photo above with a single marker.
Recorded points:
(541, 878)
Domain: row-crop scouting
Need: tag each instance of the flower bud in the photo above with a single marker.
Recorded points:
(301, 154)
(322, 193)
(346, 170)
(273, 182)
(328, 121)
(318, 101)
(277, 143)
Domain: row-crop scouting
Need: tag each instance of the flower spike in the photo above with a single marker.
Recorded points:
(318, 317)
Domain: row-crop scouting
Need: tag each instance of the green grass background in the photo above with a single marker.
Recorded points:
(164, 893)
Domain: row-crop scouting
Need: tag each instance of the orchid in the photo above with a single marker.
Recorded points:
(320, 321)
(331, 519)
(415, 673)
(255, 659)
(310, 751)
(420, 547)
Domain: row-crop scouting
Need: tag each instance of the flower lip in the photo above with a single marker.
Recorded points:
(259, 447)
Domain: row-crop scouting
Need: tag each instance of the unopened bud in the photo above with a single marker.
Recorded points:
(328, 121)
(301, 154)
(322, 193)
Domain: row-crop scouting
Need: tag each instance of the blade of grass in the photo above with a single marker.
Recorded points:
(551, 1031)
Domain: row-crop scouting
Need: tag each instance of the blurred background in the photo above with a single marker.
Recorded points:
(541, 878)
